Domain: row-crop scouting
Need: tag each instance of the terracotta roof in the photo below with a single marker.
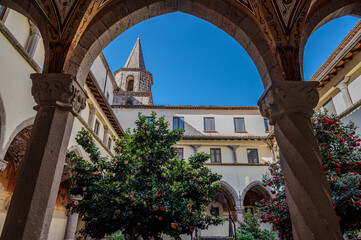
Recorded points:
(191, 107)
(94, 88)
(205, 137)
(342, 54)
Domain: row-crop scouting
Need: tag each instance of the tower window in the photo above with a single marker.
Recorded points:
(130, 85)
(128, 101)
(180, 153)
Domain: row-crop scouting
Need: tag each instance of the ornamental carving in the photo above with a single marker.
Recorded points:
(288, 97)
(58, 90)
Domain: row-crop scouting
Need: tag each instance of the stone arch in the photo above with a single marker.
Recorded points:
(254, 192)
(21, 126)
(13, 156)
(118, 16)
(231, 197)
(30, 10)
(322, 12)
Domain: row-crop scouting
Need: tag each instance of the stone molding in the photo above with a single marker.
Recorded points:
(288, 97)
(3, 165)
(58, 90)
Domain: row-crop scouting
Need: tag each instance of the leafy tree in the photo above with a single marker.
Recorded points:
(250, 229)
(341, 161)
(144, 190)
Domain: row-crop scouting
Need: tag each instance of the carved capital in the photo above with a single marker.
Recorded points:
(288, 97)
(58, 90)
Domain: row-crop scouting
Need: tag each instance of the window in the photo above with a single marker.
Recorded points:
(178, 122)
(180, 153)
(252, 155)
(239, 125)
(214, 211)
(109, 142)
(330, 106)
(216, 155)
(209, 124)
(148, 119)
(128, 101)
(108, 96)
(2, 12)
(266, 125)
(96, 127)
(130, 86)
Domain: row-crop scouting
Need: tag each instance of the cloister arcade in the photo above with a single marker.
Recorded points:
(274, 34)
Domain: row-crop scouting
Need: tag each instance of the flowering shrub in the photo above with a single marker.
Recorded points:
(144, 190)
(341, 162)
(250, 229)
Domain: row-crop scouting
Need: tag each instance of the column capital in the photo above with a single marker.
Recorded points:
(342, 85)
(234, 147)
(195, 147)
(58, 90)
(288, 97)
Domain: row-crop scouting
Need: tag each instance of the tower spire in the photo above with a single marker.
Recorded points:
(135, 59)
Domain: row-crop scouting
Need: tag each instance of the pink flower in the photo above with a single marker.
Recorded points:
(174, 225)
(358, 203)
(339, 218)
(338, 165)
(337, 170)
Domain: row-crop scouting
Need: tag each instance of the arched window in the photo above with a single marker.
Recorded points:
(128, 101)
(130, 86)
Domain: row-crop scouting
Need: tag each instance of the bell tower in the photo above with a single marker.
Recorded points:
(133, 80)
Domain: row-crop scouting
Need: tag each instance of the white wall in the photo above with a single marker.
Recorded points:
(355, 89)
(194, 120)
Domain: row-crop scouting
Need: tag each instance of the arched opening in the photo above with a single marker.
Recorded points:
(130, 83)
(128, 101)
(254, 193)
(322, 12)
(236, 22)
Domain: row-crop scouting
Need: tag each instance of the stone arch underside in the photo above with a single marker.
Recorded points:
(231, 197)
(253, 193)
(30, 10)
(14, 156)
(119, 16)
(323, 12)
(2, 123)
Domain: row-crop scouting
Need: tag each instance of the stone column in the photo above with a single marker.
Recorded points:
(195, 148)
(59, 98)
(72, 222)
(106, 135)
(234, 150)
(289, 106)
(345, 94)
(33, 39)
(92, 113)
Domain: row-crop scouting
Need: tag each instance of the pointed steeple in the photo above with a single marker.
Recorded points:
(136, 59)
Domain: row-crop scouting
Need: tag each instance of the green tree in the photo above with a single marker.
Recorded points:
(341, 161)
(250, 229)
(144, 190)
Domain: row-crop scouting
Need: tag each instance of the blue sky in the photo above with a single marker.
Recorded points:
(195, 63)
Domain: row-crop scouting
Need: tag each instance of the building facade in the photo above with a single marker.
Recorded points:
(340, 79)
(22, 54)
(239, 140)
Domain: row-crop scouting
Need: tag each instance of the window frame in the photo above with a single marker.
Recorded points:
(109, 145)
(256, 149)
(215, 155)
(174, 118)
(244, 125)
(3, 13)
(266, 125)
(214, 124)
(96, 126)
(182, 150)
